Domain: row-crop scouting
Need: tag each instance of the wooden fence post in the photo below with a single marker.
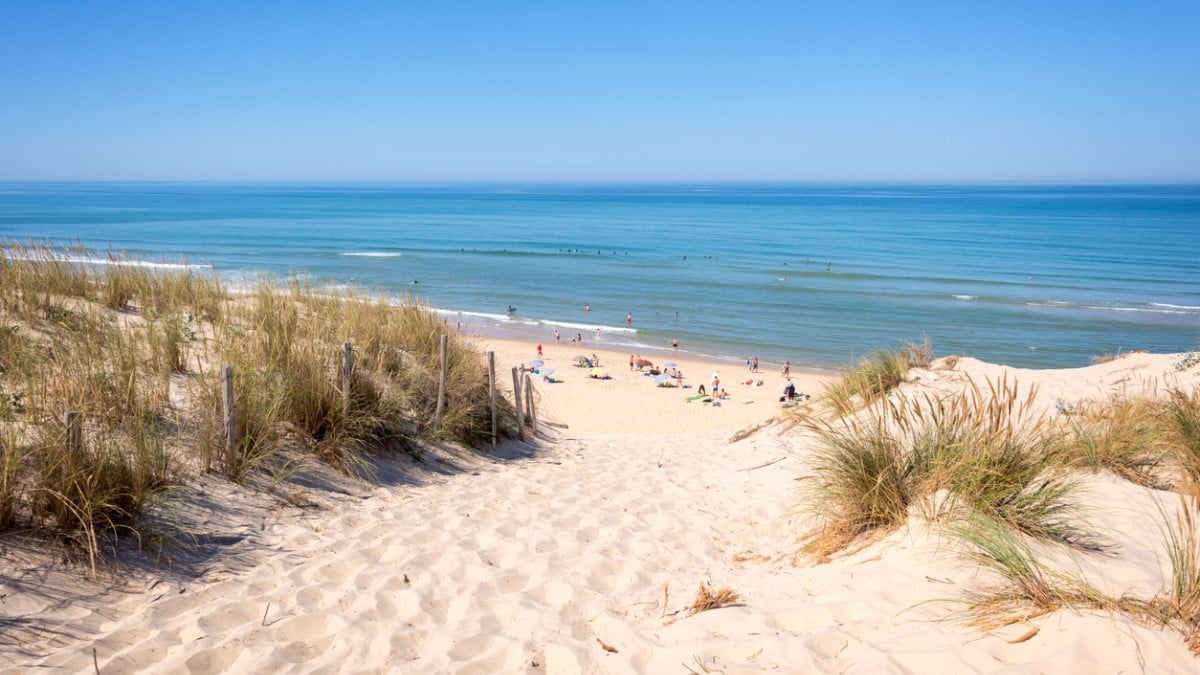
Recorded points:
(347, 373)
(517, 400)
(492, 393)
(73, 421)
(229, 413)
(441, 404)
(529, 404)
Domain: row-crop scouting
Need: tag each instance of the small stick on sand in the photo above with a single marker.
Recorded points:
(268, 609)
(777, 459)
(95, 661)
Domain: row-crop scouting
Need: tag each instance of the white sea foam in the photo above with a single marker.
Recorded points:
(373, 254)
(114, 262)
(965, 297)
(1170, 306)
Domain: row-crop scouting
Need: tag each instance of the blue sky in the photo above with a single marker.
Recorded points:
(511, 91)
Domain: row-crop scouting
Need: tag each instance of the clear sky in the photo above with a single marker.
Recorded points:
(510, 90)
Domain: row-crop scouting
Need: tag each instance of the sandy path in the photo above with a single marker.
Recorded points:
(534, 560)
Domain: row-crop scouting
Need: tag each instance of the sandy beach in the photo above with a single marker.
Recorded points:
(580, 551)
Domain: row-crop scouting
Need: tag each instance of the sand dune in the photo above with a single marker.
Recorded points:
(581, 551)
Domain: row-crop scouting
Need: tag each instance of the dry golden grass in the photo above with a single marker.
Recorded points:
(707, 598)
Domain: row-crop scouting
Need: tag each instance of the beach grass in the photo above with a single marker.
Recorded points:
(871, 378)
(1183, 419)
(1127, 437)
(1025, 588)
(136, 351)
(981, 452)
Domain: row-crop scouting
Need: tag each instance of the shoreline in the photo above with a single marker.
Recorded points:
(615, 340)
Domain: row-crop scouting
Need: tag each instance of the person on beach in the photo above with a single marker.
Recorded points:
(539, 350)
(674, 343)
(587, 309)
(557, 337)
(716, 383)
(789, 392)
(749, 364)
(787, 369)
(595, 360)
(754, 369)
(579, 338)
(631, 361)
(629, 319)
(597, 334)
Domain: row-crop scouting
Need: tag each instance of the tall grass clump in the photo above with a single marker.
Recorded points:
(1128, 437)
(979, 452)
(1025, 588)
(11, 457)
(873, 377)
(1180, 607)
(865, 481)
(103, 484)
(1183, 419)
(288, 344)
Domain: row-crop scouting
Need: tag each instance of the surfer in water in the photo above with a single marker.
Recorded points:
(512, 310)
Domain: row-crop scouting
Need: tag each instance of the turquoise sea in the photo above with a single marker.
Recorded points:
(1032, 276)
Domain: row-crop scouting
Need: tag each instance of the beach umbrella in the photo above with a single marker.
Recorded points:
(546, 371)
(643, 362)
(670, 364)
(659, 379)
(536, 363)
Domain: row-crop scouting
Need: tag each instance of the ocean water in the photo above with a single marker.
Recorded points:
(1030, 276)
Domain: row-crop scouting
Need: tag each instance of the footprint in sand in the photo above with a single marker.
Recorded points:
(216, 659)
(512, 583)
(469, 648)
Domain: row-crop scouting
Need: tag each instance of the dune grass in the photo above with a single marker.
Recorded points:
(1128, 437)
(981, 452)
(1026, 589)
(1179, 607)
(1183, 419)
(138, 351)
(873, 377)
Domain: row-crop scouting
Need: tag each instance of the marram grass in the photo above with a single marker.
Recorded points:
(138, 352)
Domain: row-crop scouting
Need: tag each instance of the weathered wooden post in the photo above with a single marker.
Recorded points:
(229, 413)
(492, 393)
(347, 373)
(73, 421)
(529, 404)
(517, 401)
(441, 404)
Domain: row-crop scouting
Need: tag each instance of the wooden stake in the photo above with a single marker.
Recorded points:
(347, 373)
(492, 393)
(441, 404)
(529, 404)
(517, 401)
(73, 421)
(227, 407)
